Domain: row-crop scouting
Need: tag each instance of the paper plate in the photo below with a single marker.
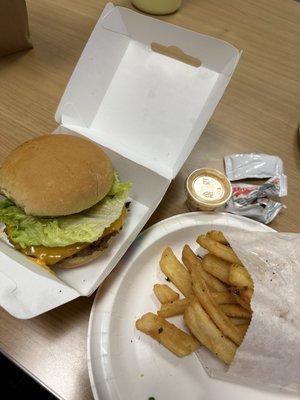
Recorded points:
(126, 364)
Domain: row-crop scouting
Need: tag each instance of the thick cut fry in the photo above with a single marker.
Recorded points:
(243, 303)
(173, 338)
(188, 258)
(218, 249)
(218, 236)
(240, 321)
(235, 310)
(243, 329)
(223, 297)
(191, 261)
(176, 272)
(239, 276)
(213, 309)
(236, 293)
(203, 328)
(246, 294)
(177, 307)
(217, 267)
(164, 293)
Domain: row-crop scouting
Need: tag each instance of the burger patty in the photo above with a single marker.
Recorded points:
(100, 244)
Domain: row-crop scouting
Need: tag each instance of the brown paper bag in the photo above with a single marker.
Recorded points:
(14, 29)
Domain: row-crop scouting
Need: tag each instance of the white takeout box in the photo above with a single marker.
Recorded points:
(148, 110)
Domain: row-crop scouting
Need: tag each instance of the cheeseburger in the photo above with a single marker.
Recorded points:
(63, 200)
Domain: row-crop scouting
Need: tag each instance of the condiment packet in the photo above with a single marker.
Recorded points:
(242, 166)
(263, 210)
(253, 201)
(269, 356)
(244, 193)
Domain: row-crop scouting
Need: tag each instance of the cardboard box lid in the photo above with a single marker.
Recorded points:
(148, 110)
(27, 290)
(147, 106)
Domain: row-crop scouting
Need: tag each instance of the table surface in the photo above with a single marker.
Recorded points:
(259, 112)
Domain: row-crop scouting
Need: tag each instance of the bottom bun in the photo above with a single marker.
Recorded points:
(88, 254)
(78, 260)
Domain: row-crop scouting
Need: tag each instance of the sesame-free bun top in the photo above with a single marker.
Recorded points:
(56, 175)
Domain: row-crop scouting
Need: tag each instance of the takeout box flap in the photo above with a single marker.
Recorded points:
(27, 290)
(147, 106)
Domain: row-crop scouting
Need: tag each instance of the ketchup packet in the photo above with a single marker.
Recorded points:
(244, 193)
(263, 210)
(253, 201)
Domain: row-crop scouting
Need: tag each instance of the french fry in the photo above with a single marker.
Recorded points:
(240, 321)
(235, 310)
(246, 294)
(217, 267)
(218, 236)
(243, 329)
(173, 338)
(176, 272)
(238, 298)
(243, 303)
(239, 276)
(213, 309)
(208, 334)
(223, 297)
(191, 261)
(188, 258)
(164, 293)
(177, 307)
(218, 249)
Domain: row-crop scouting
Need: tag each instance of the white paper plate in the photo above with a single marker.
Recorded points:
(126, 364)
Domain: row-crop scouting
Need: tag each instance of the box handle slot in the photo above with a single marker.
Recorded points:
(176, 53)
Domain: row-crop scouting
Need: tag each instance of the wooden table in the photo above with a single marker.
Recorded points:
(259, 112)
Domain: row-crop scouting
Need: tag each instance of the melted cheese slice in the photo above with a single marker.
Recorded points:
(47, 256)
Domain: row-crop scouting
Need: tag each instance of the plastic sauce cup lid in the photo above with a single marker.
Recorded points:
(208, 187)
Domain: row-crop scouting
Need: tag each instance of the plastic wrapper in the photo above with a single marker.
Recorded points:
(269, 356)
(263, 210)
(253, 201)
(242, 166)
(244, 193)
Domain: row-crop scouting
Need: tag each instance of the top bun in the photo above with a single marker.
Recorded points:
(56, 175)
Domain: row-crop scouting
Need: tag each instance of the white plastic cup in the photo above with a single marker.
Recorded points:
(207, 189)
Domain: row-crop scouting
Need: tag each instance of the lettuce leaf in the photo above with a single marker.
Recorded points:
(87, 226)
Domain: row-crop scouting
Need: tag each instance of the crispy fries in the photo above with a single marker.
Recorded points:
(216, 307)
(191, 261)
(240, 321)
(235, 310)
(176, 307)
(218, 236)
(213, 309)
(236, 293)
(223, 297)
(239, 276)
(188, 258)
(203, 328)
(173, 338)
(217, 267)
(218, 249)
(164, 293)
(176, 272)
(243, 328)
(246, 294)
